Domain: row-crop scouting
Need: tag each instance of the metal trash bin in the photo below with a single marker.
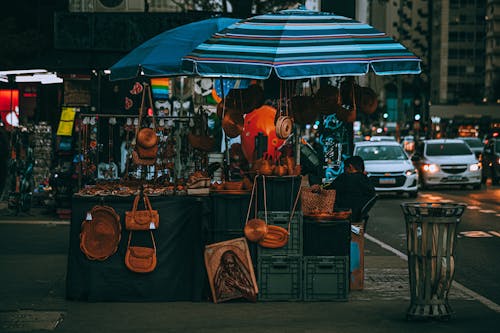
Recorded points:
(431, 234)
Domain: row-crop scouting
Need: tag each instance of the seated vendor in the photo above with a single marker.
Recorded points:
(353, 187)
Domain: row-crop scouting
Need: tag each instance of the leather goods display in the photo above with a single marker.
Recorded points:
(255, 228)
(277, 236)
(284, 123)
(327, 100)
(142, 219)
(146, 140)
(100, 233)
(284, 126)
(140, 259)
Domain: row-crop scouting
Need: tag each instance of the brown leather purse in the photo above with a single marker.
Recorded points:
(142, 219)
(277, 236)
(141, 259)
(255, 228)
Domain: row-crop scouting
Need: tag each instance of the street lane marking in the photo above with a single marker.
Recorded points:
(488, 211)
(483, 300)
(473, 207)
(494, 233)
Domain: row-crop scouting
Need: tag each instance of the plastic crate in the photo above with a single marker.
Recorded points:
(280, 192)
(279, 278)
(326, 237)
(294, 245)
(229, 211)
(326, 278)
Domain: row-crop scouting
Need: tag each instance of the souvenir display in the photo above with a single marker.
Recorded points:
(141, 259)
(142, 219)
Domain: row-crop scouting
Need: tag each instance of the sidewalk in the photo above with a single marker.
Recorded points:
(33, 299)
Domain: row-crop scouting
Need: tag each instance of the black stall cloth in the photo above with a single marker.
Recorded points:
(180, 274)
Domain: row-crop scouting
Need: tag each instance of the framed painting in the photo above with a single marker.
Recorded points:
(230, 270)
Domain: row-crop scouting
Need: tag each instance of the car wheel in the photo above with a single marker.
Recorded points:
(412, 194)
(476, 186)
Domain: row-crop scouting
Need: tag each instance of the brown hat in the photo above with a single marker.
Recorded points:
(100, 235)
(146, 138)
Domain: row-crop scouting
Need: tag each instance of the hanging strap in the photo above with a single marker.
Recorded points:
(254, 186)
(265, 198)
(140, 116)
(152, 239)
(294, 205)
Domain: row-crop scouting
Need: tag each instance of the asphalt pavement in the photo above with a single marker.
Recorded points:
(32, 298)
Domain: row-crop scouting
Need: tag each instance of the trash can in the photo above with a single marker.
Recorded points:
(431, 234)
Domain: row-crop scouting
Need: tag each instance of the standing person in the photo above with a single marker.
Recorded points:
(353, 187)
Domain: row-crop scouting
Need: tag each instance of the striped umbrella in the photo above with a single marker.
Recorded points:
(298, 44)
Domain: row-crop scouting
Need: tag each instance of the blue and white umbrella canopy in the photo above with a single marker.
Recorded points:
(298, 44)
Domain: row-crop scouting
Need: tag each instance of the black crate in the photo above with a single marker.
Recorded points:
(280, 192)
(229, 211)
(279, 278)
(327, 237)
(326, 278)
(294, 245)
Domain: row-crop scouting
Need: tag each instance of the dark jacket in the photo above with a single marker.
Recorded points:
(353, 191)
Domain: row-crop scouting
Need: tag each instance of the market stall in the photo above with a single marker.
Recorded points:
(228, 167)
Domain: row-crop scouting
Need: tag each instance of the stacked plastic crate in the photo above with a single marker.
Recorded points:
(314, 265)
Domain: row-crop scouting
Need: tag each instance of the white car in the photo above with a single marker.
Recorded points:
(388, 167)
(447, 162)
(475, 144)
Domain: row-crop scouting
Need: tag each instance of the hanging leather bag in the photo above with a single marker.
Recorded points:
(141, 259)
(255, 229)
(142, 219)
(277, 236)
(284, 123)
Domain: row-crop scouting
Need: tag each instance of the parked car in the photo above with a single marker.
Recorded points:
(475, 144)
(388, 167)
(446, 162)
(382, 138)
(491, 161)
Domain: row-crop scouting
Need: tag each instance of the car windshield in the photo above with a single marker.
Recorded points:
(381, 153)
(473, 143)
(447, 149)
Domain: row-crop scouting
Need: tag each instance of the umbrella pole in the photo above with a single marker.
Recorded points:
(226, 138)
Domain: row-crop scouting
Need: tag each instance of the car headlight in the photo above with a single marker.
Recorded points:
(474, 167)
(431, 168)
(410, 172)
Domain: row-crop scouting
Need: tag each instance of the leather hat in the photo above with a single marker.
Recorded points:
(146, 138)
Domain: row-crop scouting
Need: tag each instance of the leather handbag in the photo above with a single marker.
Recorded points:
(100, 233)
(255, 228)
(277, 236)
(141, 259)
(142, 219)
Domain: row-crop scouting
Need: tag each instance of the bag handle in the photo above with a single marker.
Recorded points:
(254, 186)
(147, 204)
(147, 88)
(152, 239)
(294, 205)
(265, 197)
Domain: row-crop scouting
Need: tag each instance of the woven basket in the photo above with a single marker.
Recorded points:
(317, 201)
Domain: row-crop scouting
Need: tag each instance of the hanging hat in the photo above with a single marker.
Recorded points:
(146, 138)
(100, 233)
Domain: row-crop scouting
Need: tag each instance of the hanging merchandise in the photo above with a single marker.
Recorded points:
(284, 123)
(255, 229)
(109, 170)
(100, 233)
(146, 141)
(260, 120)
(141, 259)
(142, 219)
